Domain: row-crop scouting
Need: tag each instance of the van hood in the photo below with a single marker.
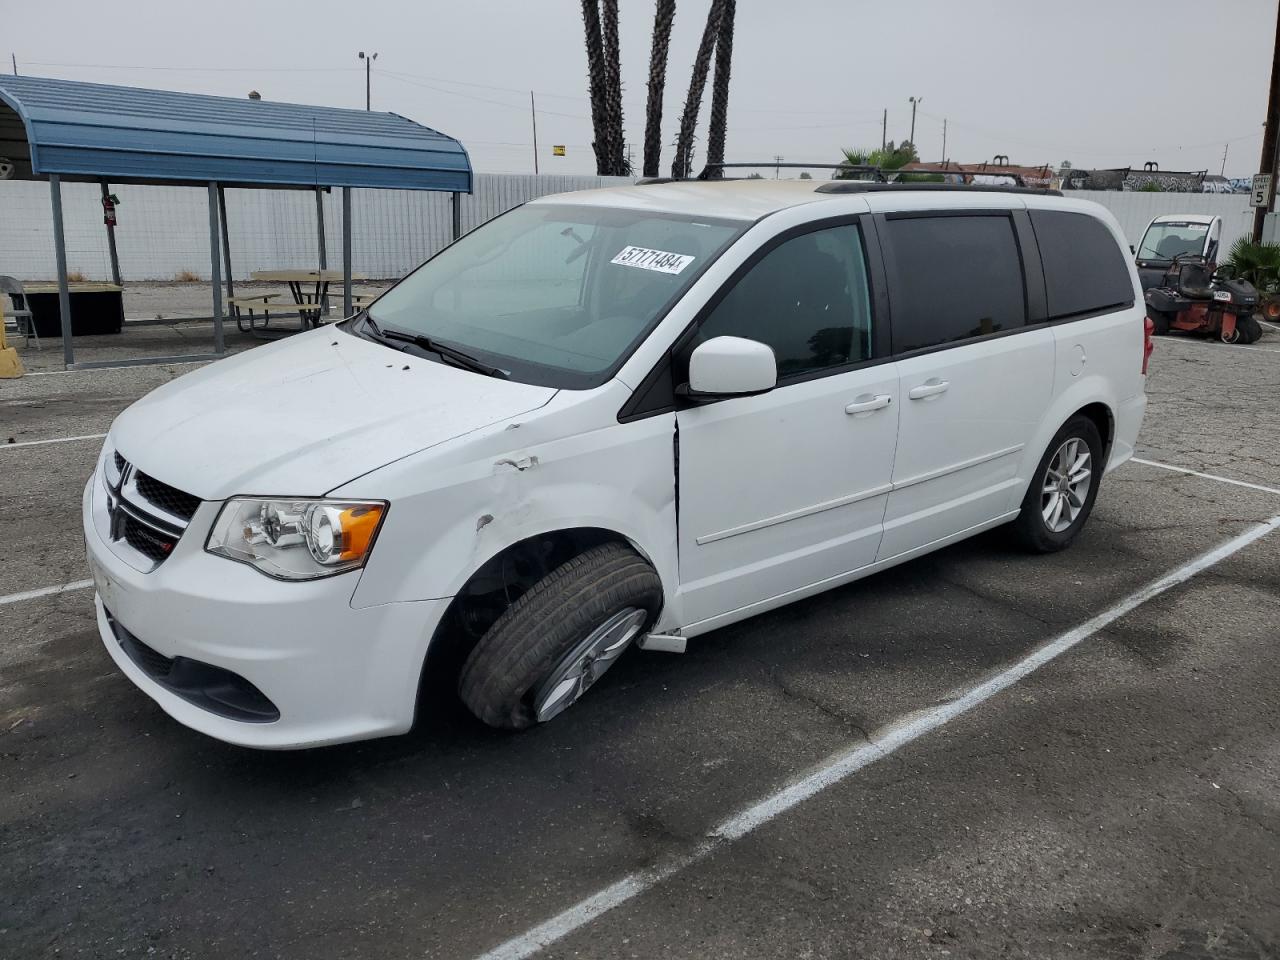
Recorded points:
(305, 415)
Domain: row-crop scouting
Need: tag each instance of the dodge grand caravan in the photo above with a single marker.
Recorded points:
(621, 416)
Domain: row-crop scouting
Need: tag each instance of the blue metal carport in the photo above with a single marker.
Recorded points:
(63, 130)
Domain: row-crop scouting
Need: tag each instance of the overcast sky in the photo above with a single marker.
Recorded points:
(1096, 82)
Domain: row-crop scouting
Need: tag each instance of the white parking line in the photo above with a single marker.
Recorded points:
(45, 591)
(1271, 325)
(842, 765)
(1205, 476)
(58, 373)
(39, 443)
(1186, 341)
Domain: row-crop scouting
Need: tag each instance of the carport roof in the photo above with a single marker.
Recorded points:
(94, 131)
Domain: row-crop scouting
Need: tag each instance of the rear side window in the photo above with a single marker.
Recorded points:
(954, 278)
(1084, 269)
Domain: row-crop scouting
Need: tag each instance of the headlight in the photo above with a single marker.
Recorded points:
(296, 539)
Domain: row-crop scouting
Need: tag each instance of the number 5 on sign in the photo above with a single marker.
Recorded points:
(1261, 190)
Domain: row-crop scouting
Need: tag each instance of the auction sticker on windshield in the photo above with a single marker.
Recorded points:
(647, 259)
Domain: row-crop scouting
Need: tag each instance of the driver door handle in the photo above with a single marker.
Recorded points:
(868, 405)
(930, 388)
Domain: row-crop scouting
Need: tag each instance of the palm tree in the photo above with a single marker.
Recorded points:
(663, 16)
(720, 91)
(598, 78)
(697, 83)
(1259, 263)
(613, 90)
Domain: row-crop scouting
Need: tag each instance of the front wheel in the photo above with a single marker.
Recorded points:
(1160, 321)
(1063, 488)
(556, 640)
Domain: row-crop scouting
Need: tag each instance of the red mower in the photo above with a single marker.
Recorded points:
(1192, 298)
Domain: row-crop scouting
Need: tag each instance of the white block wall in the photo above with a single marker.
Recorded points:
(1136, 210)
(164, 231)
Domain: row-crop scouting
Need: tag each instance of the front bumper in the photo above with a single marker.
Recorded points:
(333, 673)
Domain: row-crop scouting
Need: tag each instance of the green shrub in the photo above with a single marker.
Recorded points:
(1258, 263)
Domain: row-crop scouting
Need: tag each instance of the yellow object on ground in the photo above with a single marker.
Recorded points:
(10, 365)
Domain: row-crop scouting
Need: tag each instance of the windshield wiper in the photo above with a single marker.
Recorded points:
(453, 354)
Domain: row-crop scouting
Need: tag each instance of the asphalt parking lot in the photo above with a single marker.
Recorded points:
(828, 780)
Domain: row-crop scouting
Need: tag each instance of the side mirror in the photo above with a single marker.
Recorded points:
(731, 367)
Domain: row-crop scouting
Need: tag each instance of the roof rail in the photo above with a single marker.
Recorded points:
(863, 186)
(706, 173)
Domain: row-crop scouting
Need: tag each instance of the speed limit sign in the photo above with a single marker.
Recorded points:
(1261, 192)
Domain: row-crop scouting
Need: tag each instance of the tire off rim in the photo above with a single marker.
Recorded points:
(587, 662)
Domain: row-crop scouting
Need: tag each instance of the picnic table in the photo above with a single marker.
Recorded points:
(310, 288)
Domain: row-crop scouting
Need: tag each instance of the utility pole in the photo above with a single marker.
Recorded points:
(14, 58)
(368, 65)
(1268, 165)
(944, 140)
(884, 131)
(1225, 148)
(777, 160)
(915, 102)
(533, 113)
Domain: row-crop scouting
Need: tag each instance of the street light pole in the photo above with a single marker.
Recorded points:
(1269, 137)
(915, 102)
(368, 63)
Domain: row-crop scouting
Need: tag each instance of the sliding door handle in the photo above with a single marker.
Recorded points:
(930, 388)
(867, 404)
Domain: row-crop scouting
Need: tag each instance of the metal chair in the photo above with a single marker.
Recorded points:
(23, 322)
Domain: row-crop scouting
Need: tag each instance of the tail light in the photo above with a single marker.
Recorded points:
(1148, 342)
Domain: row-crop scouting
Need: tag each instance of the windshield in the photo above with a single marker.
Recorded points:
(555, 295)
(1164, 241)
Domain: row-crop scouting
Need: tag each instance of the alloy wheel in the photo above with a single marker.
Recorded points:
(587, 662)
(1066, 485)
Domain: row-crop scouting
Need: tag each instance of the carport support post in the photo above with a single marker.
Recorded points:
(226, 240)
(60, 252)
(111, 238)
(215, 271)
(346, 251)
(457, 215)
(324, 254)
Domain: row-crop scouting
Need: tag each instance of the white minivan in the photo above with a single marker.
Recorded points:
(616, 417)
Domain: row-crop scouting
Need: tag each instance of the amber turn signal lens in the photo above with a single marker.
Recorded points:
(359, 524)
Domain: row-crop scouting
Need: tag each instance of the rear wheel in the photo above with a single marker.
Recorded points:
(1250, 329)
(559, 638)
(1063, 488)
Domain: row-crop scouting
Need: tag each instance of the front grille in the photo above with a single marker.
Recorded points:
(152, 544)
(147, 514)
(165, 497)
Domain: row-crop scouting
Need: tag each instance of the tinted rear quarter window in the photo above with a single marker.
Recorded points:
(954, 277)
(1085, 270)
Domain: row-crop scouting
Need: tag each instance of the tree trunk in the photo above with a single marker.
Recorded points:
(597, 75)
(697, 84)
(613, 89)
(663, 17)
(720, 92)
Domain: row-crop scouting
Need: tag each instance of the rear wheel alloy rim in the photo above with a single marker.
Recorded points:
(587, 662)
(1066, 485)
